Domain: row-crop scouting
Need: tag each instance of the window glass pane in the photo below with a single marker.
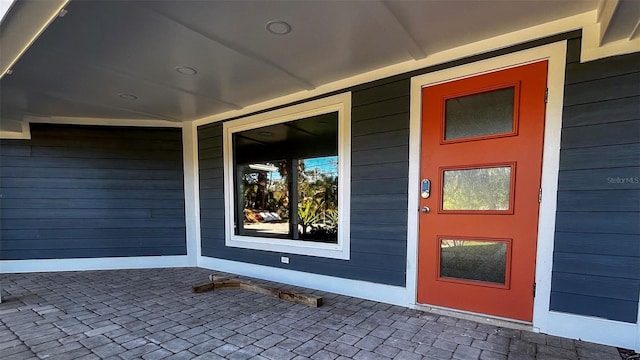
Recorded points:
(477, 189)
(473, 260)
(263, 196)
(318, 199)
(286, 183)
(487, 113)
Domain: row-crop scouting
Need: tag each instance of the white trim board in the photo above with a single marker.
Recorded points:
(593, 50)
(107, 263)
(362, 289)
(593, 329)
(191, 175)
(544, 320)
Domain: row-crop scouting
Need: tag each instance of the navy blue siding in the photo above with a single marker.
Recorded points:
(379, 170)
(596, 268)
(83, 192)
(597, 250)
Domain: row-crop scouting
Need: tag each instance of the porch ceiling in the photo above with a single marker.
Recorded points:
(122, 60)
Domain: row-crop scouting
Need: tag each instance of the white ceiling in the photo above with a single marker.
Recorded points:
(82, 62)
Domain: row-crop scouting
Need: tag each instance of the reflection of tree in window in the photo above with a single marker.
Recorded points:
(287, 180)
(318, 198)
(473, 260)
(477, 189)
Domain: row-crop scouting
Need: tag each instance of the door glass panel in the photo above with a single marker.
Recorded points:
(487, 113)
(477, 189)
(473, 260)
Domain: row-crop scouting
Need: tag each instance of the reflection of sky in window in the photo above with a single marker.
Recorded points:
(274, 175)
(327, 165)
(324, 165)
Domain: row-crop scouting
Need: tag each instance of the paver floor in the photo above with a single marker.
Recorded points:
(152, 314)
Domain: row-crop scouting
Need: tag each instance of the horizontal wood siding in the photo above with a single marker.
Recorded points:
(379, 171)
(596, 268)
(86, 192)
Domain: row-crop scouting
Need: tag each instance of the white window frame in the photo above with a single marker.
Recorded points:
(341, 104)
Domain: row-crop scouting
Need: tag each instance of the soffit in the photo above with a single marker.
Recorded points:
(85, 64)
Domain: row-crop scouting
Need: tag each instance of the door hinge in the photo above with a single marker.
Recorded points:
(540, 196)
(546, 95)
(534, 289)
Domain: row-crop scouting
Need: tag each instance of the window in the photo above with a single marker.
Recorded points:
(287, 179)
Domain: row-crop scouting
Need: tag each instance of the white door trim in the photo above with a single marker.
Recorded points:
(556, 55)
(546, 321)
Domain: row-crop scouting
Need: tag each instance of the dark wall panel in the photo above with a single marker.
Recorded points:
(601, 179)
(604, 286)
(608, 308)
(596, 268)
(625, 267)
(87, 191)
(616, 133)
(599, 200)
(601, 112)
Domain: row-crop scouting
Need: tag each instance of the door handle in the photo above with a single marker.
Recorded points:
(425, 210)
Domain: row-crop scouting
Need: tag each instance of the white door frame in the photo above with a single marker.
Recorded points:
(544, 320)
(556, 55)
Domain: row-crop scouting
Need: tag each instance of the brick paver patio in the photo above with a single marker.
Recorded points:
(152, 314)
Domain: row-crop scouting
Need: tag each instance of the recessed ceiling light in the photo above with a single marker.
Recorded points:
(185, 70)
(128, 96)
(278, 27)
(266, 133)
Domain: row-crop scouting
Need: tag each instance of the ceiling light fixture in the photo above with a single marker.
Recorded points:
(185, 70)
(278, 27)
(128, 96)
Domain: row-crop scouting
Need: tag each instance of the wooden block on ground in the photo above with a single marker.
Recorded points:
(260, 289)
(220, 282)
(203, 287)
(210, 286)
(298, 298)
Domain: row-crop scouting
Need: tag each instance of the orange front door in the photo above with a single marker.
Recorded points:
(481, 161)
